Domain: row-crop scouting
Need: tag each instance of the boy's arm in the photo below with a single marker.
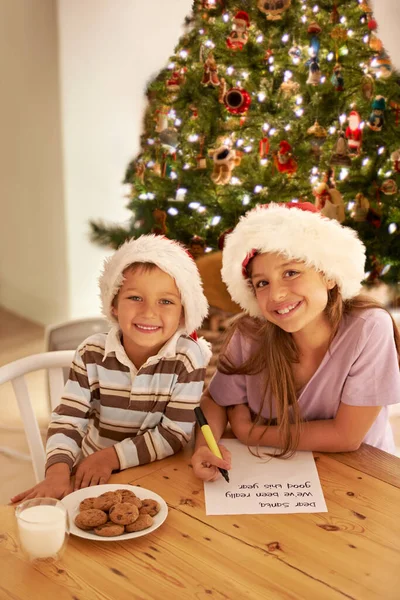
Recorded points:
(69, 420)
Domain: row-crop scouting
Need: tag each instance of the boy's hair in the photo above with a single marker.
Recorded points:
(276, 348)
(169, 256)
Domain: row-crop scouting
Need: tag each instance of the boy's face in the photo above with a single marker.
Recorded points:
(149, 311)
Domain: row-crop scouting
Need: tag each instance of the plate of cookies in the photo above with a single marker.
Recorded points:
(114, 512)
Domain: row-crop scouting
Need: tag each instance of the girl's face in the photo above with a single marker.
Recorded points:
(149, 311)
(290, 294)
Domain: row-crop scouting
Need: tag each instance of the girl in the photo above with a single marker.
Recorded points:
(313, 365)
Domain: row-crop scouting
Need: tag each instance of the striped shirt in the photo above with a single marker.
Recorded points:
(146, 414)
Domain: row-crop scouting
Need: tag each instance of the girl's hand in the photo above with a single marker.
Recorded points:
(239, 417)
(96, 468)
(205, 463)
(54, 486)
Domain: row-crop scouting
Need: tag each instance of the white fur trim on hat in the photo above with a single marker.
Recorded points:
(298, 234)
(169, 256)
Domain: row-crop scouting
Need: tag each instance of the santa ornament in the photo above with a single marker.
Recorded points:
(354, 132)
(175, 81)
(284, 159)
(239, 36)
(273, 9)
(225, 160)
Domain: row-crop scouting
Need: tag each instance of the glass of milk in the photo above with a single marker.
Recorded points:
(43, 527)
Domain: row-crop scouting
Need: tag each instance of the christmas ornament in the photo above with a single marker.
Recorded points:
(354, 132)
(284, 160)
(381, 65)
(329, 201)
(376, 118)
(341, 156)
(372, 24)
(334, 17)
(389, 187)
(160, 222)
(360, 209)
(396, 107)
(140, 170)
(295, 53)
(367, 87)
(395, 157)
(195, 113)
(314, 73)
(318, 137)
(289, 88)
(339, 33)
(375, 44)
(239, 36)
(197, 246)
(225, 160)
(337, 78)
(161, 118)
(263, 147)
(237, 101)
(314, 29)
(169, 138)
(210, 76)
(175, 81)
(273, 9)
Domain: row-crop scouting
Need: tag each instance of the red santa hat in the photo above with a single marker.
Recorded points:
(284, 147)
(169, 256)
(299, 232)
(242, 16)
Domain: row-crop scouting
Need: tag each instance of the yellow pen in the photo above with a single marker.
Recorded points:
(210, 439)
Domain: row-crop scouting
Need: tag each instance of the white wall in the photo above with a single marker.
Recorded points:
(387, 14)
(33, 268)
(108, 51)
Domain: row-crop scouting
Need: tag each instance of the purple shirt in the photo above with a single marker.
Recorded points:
(360, 368)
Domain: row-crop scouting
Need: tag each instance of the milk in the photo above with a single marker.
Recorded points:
(42, 530)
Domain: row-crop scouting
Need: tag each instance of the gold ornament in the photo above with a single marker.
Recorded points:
(339, 33)
(288, 88)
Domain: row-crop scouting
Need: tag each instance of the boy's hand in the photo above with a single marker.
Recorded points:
(56, 485)
(96, 468)
(205, 464)
(239, 417)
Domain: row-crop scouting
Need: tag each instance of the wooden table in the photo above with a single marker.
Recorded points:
(353, 551)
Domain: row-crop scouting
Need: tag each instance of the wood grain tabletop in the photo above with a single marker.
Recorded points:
(352, 551)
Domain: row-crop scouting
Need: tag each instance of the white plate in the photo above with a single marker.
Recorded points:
(73, 500)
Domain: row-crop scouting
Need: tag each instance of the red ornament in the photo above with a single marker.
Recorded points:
(237, 101)
(372, 25)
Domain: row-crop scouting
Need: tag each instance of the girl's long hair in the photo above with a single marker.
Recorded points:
(275, 353)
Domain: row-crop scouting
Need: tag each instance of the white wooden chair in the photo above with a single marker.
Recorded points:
(14, 372)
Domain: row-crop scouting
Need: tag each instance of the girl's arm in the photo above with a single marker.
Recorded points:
(205, 464)
(344, 433)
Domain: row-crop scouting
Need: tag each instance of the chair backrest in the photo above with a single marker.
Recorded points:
(14, 372)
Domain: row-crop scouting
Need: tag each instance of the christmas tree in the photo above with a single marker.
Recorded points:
(271, 100)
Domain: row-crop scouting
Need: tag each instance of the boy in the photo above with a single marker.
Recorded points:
(131, 392)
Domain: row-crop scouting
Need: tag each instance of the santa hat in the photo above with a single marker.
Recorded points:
(297, 231)
(242, 16)
(284, 147)
(170, 257)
